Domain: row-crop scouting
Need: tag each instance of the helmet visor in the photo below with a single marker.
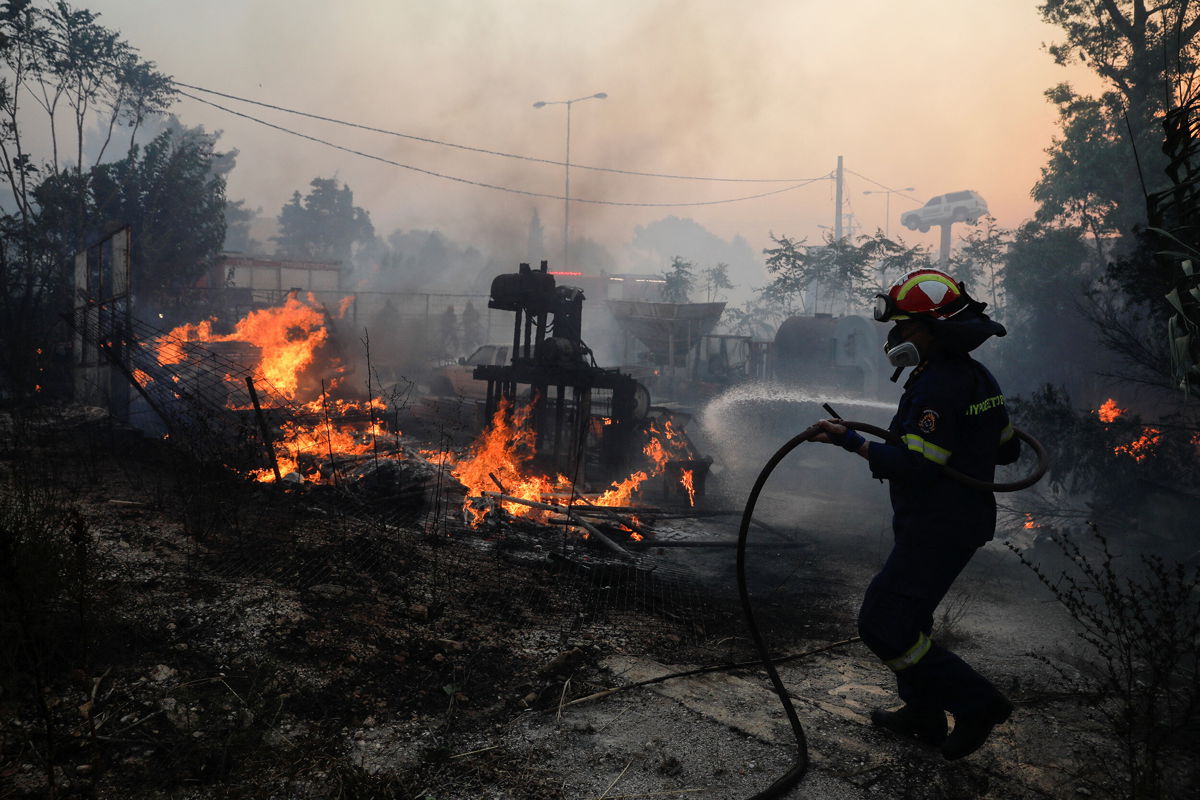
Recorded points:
(886, 309)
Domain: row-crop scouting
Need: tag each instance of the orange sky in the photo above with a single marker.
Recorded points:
(939, 95)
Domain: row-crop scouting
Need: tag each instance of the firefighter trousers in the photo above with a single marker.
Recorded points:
(896, 623)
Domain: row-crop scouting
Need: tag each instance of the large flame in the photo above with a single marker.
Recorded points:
(302, 446)
(502, 457)
(289, 340)
(289, 337)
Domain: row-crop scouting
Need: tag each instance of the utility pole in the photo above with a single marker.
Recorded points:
(837, 215)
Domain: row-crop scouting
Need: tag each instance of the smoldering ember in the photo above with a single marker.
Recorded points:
(291, 509)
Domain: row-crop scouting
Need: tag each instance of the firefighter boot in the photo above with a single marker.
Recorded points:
(927, 725)
(972, 730)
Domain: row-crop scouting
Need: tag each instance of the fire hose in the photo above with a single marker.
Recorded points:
(790, 778)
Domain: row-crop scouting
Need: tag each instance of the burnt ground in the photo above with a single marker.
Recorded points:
(197, 636)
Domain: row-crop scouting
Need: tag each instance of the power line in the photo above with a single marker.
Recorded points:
(484, 150)
(882, 186)
(527, 193)
(797, 182)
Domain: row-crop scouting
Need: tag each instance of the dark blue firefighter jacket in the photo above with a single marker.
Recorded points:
(951, 413)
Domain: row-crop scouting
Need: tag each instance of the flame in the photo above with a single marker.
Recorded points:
(1142, 446)
(1108, 412)
(670, 444)
(620, 493)
(1030, 522)
(439, 457)
(657, 453)
(503, 451)
(142, 378)
(289, 337)
(665, 445)
(303, 446)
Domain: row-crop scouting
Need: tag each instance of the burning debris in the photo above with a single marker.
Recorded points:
(277, 375)
(288, 356)
(503, 457)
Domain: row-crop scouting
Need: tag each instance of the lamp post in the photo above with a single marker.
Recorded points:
(567, 163)
(887, 213)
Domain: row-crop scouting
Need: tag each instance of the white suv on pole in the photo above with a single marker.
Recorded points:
(966, 206)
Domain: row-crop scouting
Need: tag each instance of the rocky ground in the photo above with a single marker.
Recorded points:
(191, 635)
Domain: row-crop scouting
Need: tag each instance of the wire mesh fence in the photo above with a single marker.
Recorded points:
(367, 519)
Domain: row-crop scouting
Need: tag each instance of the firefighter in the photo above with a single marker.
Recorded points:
(951, 413)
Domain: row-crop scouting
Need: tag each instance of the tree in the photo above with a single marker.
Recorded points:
(238, 223)
(757, 318)
(1047, 276)
(979, 263)
(449, 331)
(1108, 161)
(1091, 179)
(837, 272)
(66, 63)
(168, 193)
(715, 279)
(590, 256)
(788, 263)
(1139, 50)
(472, 327)
(63, 55)
(678, 281)
(323, 225)
(890, 259)
(1147, 55)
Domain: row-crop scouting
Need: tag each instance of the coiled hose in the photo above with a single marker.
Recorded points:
(790, 778)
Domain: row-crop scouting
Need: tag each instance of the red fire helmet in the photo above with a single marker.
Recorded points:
(928, 293)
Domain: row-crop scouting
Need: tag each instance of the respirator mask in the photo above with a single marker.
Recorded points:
(901, 353)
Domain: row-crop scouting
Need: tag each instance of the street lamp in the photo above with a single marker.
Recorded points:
(567, 163)
(887, 213)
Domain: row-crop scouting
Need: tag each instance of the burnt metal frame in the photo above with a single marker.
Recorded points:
(534, 302)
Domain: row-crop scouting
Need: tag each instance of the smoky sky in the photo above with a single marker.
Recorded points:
(938, 95)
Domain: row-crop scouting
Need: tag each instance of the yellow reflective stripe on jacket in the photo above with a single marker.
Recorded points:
(913, 654)
(938, 455)
(1007, 434)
